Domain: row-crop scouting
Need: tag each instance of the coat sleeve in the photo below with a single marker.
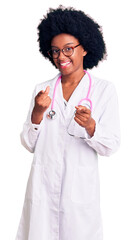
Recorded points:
(106, 139)
(30, 132)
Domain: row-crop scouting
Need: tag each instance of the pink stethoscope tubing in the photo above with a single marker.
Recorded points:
(84, 99)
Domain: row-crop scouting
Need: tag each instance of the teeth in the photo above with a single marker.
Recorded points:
(64, 64)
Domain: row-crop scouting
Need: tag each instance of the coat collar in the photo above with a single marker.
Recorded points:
(79, 93)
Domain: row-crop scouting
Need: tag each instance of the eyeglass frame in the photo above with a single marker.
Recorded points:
(62, 50)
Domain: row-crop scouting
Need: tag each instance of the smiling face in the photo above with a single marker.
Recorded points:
(73, 63)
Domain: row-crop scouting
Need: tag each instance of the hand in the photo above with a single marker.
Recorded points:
(84, 119)
(42, 102)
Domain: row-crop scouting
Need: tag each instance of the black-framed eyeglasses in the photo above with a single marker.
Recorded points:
(67, 51)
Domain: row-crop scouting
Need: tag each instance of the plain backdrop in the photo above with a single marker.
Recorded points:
(22, 67)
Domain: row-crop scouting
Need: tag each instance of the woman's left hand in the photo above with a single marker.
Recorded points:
(84, 119)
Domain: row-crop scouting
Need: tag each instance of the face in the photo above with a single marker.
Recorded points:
(68, 65)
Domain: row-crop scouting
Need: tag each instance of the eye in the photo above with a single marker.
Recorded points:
(55, 51)
(68, 49)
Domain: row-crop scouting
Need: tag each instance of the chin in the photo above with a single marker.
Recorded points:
(65, 71)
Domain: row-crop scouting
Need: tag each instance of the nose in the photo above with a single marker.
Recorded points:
(61, 55)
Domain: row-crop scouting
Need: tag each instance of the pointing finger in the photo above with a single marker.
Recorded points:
(82, 109)
(42, 92)
(47, 90)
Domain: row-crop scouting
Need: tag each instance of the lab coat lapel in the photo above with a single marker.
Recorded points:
(79, 93)
(59, 100)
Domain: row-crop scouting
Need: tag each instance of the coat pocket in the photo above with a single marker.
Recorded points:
(34, 184)
(84, 186)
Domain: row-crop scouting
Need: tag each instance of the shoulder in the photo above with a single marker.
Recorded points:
(100, 83)
(102, 87)
(43, 85)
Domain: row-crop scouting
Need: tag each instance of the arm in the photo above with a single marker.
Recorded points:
(33, 124)
(106, 138)
(103, 134)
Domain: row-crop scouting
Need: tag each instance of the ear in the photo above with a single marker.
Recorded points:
(84, 53)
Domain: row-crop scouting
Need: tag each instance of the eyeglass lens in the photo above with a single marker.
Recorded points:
(55, 52)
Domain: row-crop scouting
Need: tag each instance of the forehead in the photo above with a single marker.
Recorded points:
(63, 39)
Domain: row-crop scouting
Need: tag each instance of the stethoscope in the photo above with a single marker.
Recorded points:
(52, 113)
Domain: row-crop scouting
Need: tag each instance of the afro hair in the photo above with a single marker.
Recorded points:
(77, 24)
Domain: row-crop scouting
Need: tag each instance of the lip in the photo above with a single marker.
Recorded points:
(64, 64)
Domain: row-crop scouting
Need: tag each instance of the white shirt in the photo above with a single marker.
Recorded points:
(62, 195)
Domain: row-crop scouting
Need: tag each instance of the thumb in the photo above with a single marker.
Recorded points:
(47, 90)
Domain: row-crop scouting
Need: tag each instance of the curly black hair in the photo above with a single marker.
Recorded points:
(77, 24)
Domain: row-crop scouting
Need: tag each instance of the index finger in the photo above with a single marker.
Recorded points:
(47, 90)
(42, 92)
(82, 109)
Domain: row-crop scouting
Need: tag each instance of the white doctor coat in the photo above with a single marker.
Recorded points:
(62, 194)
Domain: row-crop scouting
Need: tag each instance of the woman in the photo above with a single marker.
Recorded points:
(62, 195)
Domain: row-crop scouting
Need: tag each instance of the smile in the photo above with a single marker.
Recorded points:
(64, 64)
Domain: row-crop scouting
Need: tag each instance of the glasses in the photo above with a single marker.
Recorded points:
(67, 51)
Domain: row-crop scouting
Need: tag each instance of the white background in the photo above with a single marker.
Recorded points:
(22, 67)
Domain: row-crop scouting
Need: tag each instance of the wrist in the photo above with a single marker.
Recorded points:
(36, 116)
(91, 128)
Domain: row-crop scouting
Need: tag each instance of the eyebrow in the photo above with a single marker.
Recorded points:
(64, 45)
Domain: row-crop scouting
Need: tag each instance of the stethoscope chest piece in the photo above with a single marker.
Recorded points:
(51, 115)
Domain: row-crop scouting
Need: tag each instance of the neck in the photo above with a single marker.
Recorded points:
(73, 78)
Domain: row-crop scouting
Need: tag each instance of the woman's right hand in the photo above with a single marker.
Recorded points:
(42, 102)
